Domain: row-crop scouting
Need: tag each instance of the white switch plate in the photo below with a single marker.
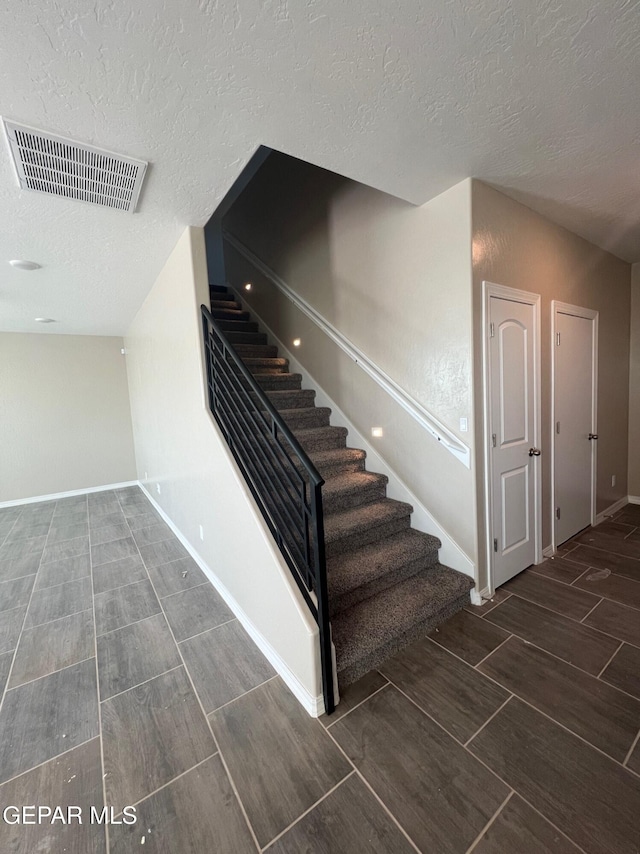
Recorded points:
(464, 425)
(201, 532)
(613, 480)
(158, 488)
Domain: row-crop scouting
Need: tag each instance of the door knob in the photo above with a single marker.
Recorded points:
(593, 436)
(534, 452)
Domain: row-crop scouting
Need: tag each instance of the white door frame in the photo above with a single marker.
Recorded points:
(558, 307)
(490, 289)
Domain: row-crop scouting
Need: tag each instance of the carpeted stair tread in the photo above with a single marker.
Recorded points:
(256, 351)
(385, 620)
(226, 304)
(353, 569)
(273, 382)
(350, 489)
(274, 365)
(350, 529)
(229, 314)
(310, 416)
(295, 398)
(220, 295)
(333, 462)
(322, 438)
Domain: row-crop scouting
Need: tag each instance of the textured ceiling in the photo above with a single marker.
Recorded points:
(541, 99)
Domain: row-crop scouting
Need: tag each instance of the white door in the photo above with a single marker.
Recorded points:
(574, 414)
(513, 423)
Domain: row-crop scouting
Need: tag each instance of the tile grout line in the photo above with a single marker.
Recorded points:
(61, 583)
(484, 658)
(489, 719)
(169, 782)
(373, 693)
(177, 593)
(582, 575)
(546, 652)
(52, 672)
(191, 637)
(630, 752)
(126, 625)
(121, 586)
(493, 818)
(199, 701)
(307, 811)
(45, 761)
(589, 613)
(240, 696)
(144, 681)
(95, 645)
(368, 786)
(609, 662)
(19, 637)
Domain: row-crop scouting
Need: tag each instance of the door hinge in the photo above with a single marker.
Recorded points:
(558, 427)
(495, 544)
(557, 512)
(492, 330)
(557, 339)
(493, 439)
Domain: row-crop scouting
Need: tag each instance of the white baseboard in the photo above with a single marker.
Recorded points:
(55, 496)
(618, 505)
(450, 553)
(548, 551)
(478, 598)
(313, 705)
(634, 499)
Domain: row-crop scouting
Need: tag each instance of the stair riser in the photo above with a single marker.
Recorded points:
(276, 382)
(247, 337)
(363, 536)
(220, 296)
(256, 351)
(238, 325)
(333, 469)
(349, 500)
(326, 442)
(226, 305)
(359, 668)
(305, 419)
(339, 603)
(298, 399)
(222, 314)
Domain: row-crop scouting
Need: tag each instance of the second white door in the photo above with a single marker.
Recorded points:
(574, 415)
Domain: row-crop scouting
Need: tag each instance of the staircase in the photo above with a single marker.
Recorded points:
(386, 586)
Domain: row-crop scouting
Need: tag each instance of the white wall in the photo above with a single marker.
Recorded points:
(179, 447)
(518, 248)
(634, 386)
(396, 281)
(65, 422)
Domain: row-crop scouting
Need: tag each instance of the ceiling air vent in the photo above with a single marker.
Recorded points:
(61, 167)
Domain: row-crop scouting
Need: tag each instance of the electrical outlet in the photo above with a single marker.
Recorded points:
(464, 425)
(146, 476)
(201, 532)
(613, 480)
(158, 488)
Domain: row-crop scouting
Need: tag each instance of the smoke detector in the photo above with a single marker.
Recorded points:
(62, 167)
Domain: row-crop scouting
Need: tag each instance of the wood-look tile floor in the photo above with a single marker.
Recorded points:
(126, 681)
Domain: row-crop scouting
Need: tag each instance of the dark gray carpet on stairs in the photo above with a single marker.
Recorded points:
(386, 586)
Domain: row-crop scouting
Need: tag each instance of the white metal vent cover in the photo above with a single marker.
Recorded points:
(62, 167)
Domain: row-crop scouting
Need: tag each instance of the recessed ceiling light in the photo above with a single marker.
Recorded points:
(24, 265)
(248, 286)
(297, 342)
(45, 320)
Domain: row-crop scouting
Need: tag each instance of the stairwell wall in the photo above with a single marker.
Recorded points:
(184, 463)
(393, 278)
(516, 247)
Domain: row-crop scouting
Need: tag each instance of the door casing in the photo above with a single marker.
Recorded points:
(489, 290)
(558, 307)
